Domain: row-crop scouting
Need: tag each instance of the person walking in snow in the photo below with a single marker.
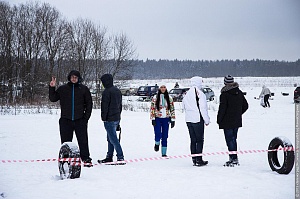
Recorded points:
(196, 116)
(232, 105)
(111, 108)
(266, 94)
(162, 113)
(76, 108)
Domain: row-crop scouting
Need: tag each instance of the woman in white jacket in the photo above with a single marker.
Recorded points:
(196, 115)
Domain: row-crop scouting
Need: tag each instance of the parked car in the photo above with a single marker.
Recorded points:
(297, 95)
(210, 95)
(178, 93)
(147, 90)
(128, 91)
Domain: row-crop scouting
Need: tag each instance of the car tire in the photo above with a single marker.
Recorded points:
(289, 157)
(69, 169)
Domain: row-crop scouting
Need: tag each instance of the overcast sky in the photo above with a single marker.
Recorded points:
(197, 29)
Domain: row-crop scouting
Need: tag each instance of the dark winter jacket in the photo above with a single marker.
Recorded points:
(75, 106)
(111, 103)
(232, 105)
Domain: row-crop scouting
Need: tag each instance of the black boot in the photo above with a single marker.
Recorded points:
(106, 160)
(194, 159)
(232, 163)
(156, 147)
(200, 162)
(87, 162)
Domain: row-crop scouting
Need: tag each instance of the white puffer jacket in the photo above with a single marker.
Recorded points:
(190, 105)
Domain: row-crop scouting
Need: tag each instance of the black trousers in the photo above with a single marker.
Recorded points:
(67, 127)
(196, 131)
(266, 100)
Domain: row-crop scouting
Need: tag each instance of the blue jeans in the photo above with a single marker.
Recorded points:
(231, 137)
(161, 130)
(112, 140)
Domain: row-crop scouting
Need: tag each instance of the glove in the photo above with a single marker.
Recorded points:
(153, 122)
(118, 128)
(172, 124)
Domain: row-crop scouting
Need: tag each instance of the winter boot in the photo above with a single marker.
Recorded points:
(106, 160)
(87, 162)
(194, 159)
(200, 162)
(121, 161)
(232, 163)
(156, 146)
(164, 151)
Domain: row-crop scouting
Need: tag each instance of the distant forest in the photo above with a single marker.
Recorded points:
(167, 69)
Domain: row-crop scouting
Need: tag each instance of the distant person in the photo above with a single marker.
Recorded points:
(266, 94)
(76, 108)
(111, 108)
(162, 113)
(232, 105)
(176, 85)
(196, 115)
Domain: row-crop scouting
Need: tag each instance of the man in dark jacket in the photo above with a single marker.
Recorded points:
(111, 108)
(76, 108)
(232, 105)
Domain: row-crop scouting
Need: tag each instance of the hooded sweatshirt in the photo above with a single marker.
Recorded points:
(192, 112)
(111, 102)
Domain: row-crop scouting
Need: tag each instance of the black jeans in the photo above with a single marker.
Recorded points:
(266, 100)
(67, 127)
(196, 131)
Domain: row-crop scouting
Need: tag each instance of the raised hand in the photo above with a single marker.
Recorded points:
(53, 82)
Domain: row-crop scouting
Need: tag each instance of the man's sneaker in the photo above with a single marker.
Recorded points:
(87, 162)
(164, 156)
(156, 147)
(200, 163)
(121, 161)
(106, 160)
(232, 163)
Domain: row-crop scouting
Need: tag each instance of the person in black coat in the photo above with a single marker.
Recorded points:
(111, 108)
(232, 105)
(76, 108)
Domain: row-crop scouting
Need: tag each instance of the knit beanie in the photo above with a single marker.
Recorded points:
(228, 79)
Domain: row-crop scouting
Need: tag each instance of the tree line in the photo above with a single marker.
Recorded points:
(37, 42)
(180, 69)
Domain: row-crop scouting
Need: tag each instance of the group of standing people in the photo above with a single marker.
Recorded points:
(76, 108)
(232, 106)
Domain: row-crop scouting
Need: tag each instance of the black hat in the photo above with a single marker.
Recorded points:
(76, 73)
(228, 79)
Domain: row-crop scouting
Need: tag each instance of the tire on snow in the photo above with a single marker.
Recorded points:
(289, 157)
(67, 169)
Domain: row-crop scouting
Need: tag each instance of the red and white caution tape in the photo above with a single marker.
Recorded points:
(77, 161)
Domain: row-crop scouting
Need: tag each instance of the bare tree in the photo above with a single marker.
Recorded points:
(6, 54)
(81, 34)
(55, 34)
(124, 54)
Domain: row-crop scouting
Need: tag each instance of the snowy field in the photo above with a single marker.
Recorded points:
(30, 137)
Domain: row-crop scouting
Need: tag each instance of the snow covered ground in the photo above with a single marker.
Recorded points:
(27, 137)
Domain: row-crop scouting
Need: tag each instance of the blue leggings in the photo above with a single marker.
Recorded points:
(161, 130)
